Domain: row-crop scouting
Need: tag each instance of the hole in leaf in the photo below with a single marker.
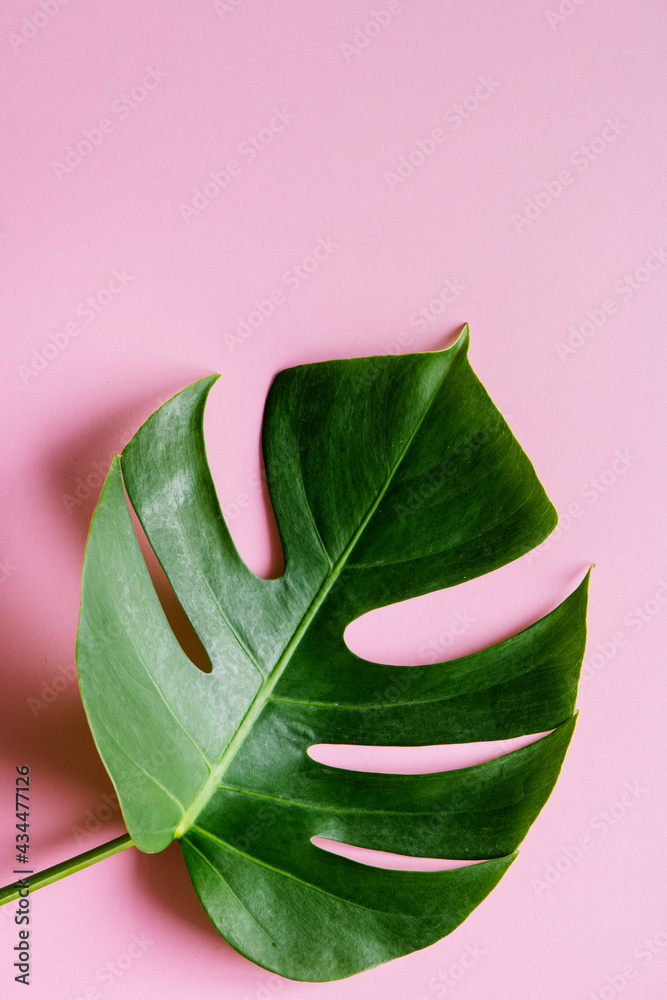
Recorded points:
(415, 760)
(385, 859)
(179, 622)
(456, 621)
(232, 431)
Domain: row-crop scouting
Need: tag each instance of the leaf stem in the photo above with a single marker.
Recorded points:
(37, 881)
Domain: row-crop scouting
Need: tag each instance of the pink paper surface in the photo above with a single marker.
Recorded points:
(370, 177)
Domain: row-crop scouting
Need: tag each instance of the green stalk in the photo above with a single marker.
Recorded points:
(37, 881)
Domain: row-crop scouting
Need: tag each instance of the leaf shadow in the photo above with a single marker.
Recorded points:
(164, 876)
(76, 473)
(45, 727)
(42, 709)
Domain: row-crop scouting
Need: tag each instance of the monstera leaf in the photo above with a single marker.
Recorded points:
(390, 477)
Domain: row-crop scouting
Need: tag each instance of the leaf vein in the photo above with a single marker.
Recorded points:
(295, 878)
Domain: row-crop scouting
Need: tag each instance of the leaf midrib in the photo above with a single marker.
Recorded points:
(264, 693)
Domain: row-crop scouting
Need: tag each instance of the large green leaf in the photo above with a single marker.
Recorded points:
(390, 477)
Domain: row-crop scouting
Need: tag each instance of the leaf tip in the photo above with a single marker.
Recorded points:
(462, 342)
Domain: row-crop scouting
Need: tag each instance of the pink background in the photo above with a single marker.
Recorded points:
(566, 302)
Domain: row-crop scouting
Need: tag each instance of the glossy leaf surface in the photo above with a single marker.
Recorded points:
(390, 477)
